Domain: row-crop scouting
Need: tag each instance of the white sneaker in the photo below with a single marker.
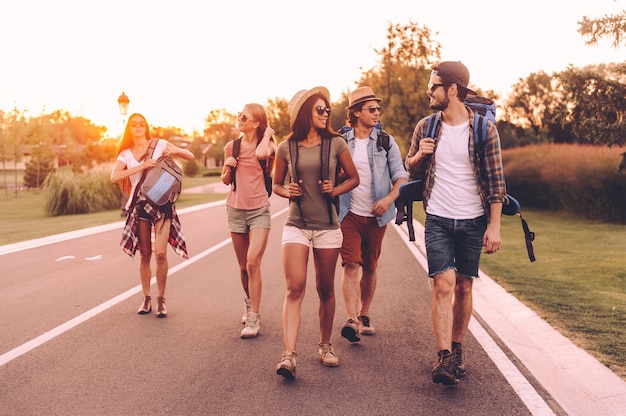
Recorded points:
(253, 324)
(327, 354)
(247, 308)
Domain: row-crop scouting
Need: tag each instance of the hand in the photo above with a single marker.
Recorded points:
(150, 163)
(295, 189)
(231, 162)
(326, 187)
(427, 146)
(491, 241)
(380, 207)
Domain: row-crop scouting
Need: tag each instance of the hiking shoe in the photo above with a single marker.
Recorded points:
(253, 324)
(287, 365)
(457, 351)
(327, 354)
(350, 331)
(365, 326)
(445, 371)
(247, 308)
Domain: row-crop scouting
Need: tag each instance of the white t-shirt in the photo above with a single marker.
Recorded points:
(126, 157)
(361, 201)
(455, 190)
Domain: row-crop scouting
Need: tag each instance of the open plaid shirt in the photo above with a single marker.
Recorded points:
(130, 241)
(490, 179)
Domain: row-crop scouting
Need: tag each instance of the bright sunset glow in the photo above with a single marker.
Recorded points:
(179, 60)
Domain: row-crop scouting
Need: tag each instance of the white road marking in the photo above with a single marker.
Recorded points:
(53, 333)
(64, 258)
(526, 392)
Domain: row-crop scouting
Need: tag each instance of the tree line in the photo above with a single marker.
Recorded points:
(576, 105)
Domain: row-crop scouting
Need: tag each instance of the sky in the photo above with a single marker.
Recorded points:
(179, 60)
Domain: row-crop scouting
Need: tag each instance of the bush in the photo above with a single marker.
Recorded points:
(191, 168)
(80, 194)
(578, 179)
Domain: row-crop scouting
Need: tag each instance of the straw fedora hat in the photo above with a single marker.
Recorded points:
(293, 108)
(360, 95)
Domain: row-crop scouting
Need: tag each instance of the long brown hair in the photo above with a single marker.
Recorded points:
(302, 124)
(127, 138)
(257, 111)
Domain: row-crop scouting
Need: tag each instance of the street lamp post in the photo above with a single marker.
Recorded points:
(122, 102)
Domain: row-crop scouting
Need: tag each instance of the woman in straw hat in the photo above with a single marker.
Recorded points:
(311, 222)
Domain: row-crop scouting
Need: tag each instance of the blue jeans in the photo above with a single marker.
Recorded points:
(454, 244)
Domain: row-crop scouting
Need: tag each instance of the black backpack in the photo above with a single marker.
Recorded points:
(265, 166)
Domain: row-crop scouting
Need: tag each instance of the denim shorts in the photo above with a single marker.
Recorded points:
(454, 244)
(243, 220)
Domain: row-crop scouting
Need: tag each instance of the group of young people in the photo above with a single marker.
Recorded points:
(342, 212)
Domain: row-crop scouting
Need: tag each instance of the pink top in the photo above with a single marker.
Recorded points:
(250, 192)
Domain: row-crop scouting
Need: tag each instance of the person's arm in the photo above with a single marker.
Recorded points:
(120, 172)
(398, 177)
(292, 190)
(175, 151)
(229, 164)
(492, 239)
(351, 176)
(266, 147)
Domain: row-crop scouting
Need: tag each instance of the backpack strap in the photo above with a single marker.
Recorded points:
(325, 174)
(147, 155)
(235, 154)
(480, 140)
(293, 159)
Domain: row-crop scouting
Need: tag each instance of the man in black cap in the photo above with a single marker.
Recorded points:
(463, 199)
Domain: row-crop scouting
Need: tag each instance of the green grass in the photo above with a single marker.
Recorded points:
(23, 218)
(577, 283)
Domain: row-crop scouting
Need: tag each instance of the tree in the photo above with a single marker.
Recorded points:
(40, 165)
(219, 129)
(596, 106)
(401, 78)
(13, 135)
(278, 117)
(611, 26)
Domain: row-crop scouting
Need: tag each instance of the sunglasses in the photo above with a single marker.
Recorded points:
(374, 108)
(243, 118)
(321, 110)
(433, 87)
(139, 124)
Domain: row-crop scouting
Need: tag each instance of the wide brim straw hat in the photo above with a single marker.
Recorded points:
(294, 106)
(361, 95)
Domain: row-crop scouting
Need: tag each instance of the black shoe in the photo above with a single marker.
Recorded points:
(445, 370)
(350, 331)
(457, 351)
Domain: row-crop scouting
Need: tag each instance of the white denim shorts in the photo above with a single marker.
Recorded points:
(312, 238)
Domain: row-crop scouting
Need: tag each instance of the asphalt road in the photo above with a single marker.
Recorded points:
(72, 343)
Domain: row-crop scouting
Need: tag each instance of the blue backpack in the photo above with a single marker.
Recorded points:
(412, 191)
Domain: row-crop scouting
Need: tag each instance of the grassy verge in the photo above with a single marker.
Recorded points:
(577, 284)
(23, 218)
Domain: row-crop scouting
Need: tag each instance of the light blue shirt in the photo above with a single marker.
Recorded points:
(386, 167)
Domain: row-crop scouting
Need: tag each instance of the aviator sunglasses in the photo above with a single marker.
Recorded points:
(137, 124)
(244, 118)
(374, 108)
(321, 110)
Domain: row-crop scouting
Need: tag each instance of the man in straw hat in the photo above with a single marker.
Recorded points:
(365, 211)
(463, 199)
